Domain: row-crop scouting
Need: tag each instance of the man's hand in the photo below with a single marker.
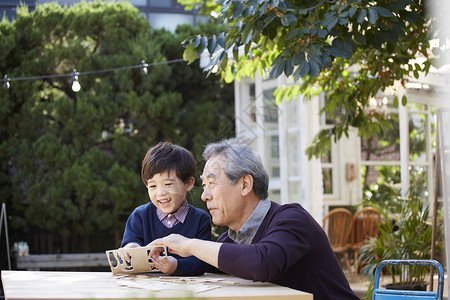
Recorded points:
(166, 264)
(176, 244)
(206, 251)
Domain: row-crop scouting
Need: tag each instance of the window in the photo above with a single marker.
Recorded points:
(169, 21)
(328, 163)
(138, 2)
(381, 162)
(161, 3)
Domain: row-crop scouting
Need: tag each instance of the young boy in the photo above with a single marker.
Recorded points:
(167, 172)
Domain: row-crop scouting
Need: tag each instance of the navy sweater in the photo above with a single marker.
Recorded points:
(143, 226)
(289, 249)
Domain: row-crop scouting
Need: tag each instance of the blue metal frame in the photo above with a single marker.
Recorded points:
(383, 294)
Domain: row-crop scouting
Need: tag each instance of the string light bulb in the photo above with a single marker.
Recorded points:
(6, 82)
(144, 69)
(76, 87)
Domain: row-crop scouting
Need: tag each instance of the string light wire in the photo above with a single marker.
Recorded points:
(74, 75)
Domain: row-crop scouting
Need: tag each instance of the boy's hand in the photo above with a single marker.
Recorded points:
(123, 253)
(166, 264)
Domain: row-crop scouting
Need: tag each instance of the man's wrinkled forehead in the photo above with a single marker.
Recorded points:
(213, 167)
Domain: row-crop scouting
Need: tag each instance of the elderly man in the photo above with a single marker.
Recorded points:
(282, 244)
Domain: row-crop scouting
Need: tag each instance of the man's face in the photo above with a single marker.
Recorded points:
(223, 199)
(167, 192)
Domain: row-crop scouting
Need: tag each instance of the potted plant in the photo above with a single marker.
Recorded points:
(406, 233)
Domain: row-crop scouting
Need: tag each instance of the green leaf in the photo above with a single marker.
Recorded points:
(314, 68)
(347, 45)
(247, 12)
(417, 67)
(237, 9)
(373, 15)
(295, 91)
(329, 14)
(262, 9)
(340, 48)
(352, 11)
(336, 52)
(228, 77)
(297, 74)
(190, 54)
(274, 3)
(315, 50)
(287, 20)
(343, 21)
(235, 52)
(293, 34)
(247, 48)
(288, 69)
(362, 15)
(359, 38)
(332, 23)
(298, 58)
(202, 45)
(326, 60)
(383, 11)
(247, 35)
(196, 41)
(396, 101)
(225, 5)
(259, 26)
(344, 14)
(269, 18)
(224, 62)
(212, 44)
(304, 69)
(221, 40)
(277, 69)
(279, 94)
(404, 100)
(323, 32)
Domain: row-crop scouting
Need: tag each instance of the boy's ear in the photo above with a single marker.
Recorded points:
(190, 183)
(247, 184)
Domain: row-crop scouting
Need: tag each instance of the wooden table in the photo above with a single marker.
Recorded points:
(105, 285)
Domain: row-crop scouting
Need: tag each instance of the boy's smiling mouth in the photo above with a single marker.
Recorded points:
(164, 201)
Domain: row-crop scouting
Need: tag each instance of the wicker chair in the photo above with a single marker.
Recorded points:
(364, 225)
(337, 225)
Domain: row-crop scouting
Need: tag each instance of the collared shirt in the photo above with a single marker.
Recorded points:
(170, 220)
(247, 232)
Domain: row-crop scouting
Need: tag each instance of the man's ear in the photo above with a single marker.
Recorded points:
(247, 184)
(190, 183)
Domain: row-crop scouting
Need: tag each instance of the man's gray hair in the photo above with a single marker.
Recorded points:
(240, 160)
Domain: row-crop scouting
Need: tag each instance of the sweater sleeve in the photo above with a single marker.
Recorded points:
(288, 238)
(192, 265)
(133, 229)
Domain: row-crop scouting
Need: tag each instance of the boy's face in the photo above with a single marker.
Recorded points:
(167, 192)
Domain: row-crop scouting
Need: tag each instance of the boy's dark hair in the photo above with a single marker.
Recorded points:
(166, 156)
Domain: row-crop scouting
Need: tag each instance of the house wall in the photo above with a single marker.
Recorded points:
(300, 179)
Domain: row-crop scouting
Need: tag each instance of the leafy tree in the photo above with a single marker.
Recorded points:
(349, 49)
(70, 162)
